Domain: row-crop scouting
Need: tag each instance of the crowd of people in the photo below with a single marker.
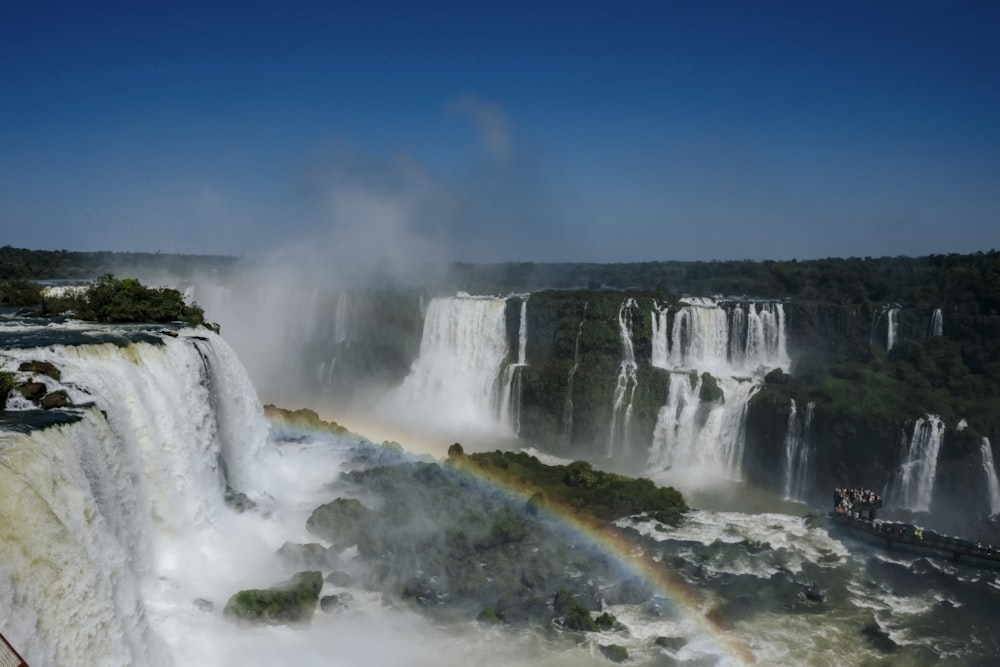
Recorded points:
(853, 501)
(859, 505)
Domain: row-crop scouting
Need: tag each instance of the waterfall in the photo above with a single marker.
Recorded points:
(567, 426)
(342, 318)
(748, 338)
(456, 381)
(937, 323)
(700, 337)
(890, 336)
(510, 404)
(793, 442)
(661, 349)
(692, 434)
(737, 347)
(89, 506)
(625, 384)
(991, 476)
(797, 453)
(913, 485)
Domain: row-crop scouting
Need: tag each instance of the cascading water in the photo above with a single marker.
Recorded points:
(661, 351)
(510, 400)
(625, 384)
(737, 347)
(457, 379)
(89, 507)
(567, 421)
(937, 323)
(793, 442)
(890, 336)
(912, 487)
(991, 476)
(798, 452)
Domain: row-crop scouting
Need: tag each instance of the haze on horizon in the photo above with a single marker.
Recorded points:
(561, 132)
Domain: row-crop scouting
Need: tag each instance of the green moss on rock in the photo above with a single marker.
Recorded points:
(290, 602)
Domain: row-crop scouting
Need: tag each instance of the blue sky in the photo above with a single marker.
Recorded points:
(558, 131)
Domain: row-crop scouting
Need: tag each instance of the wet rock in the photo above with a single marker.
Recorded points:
(878, 638)
(614, 652)
(812, 593)
(290, 602)
(57, 399)
(207, 606)
(334, 603)
(237, 500)
(42, 368)
(33, 391)
(630, 591)
(671, 643)
(312, 556)
(339, 578)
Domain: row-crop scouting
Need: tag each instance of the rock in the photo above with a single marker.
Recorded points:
(339, 578)
(290, 602)
(33, 391)
(238, 500)
(614, 652)
(812, 593)
(40, 367)
(307, 556)
(630, 591)
(878, 638)
(340, 521)
(57, 399)
(670, 643)
(333, 603)
(201, 604)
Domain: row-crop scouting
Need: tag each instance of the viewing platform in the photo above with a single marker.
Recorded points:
(855, 509)
(8, 656)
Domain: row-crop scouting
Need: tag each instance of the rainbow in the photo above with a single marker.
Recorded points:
(621, 546)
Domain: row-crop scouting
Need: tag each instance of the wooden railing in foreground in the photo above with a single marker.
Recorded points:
(8, 656)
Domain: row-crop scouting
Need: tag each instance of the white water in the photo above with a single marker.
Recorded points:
(798, 452)
(116, 548)
(737, 346)
(937, 323)
(619, 438)
(991, 476)
(89, 508)
(660, 356)
(510, 398)
(890, 336)
(705, 439)
(567, 425)
(746, 338)
(913, 486)
(456, 383)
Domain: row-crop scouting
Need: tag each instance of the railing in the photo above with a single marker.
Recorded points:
(8, 656)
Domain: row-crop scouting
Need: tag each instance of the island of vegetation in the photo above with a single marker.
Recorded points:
(106, 299)
(441, 537)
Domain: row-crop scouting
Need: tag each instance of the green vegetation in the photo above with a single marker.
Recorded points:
(590, 492)
(7, 382)
(111, 300)
(437, 537)
(291, 602)
(19, 264)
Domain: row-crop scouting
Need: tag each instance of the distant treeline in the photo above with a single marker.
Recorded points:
(21, 264)
(932, 281)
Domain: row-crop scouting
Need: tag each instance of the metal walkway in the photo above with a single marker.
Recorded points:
(8, 656)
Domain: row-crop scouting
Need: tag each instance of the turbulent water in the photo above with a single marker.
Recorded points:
(117, 547)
